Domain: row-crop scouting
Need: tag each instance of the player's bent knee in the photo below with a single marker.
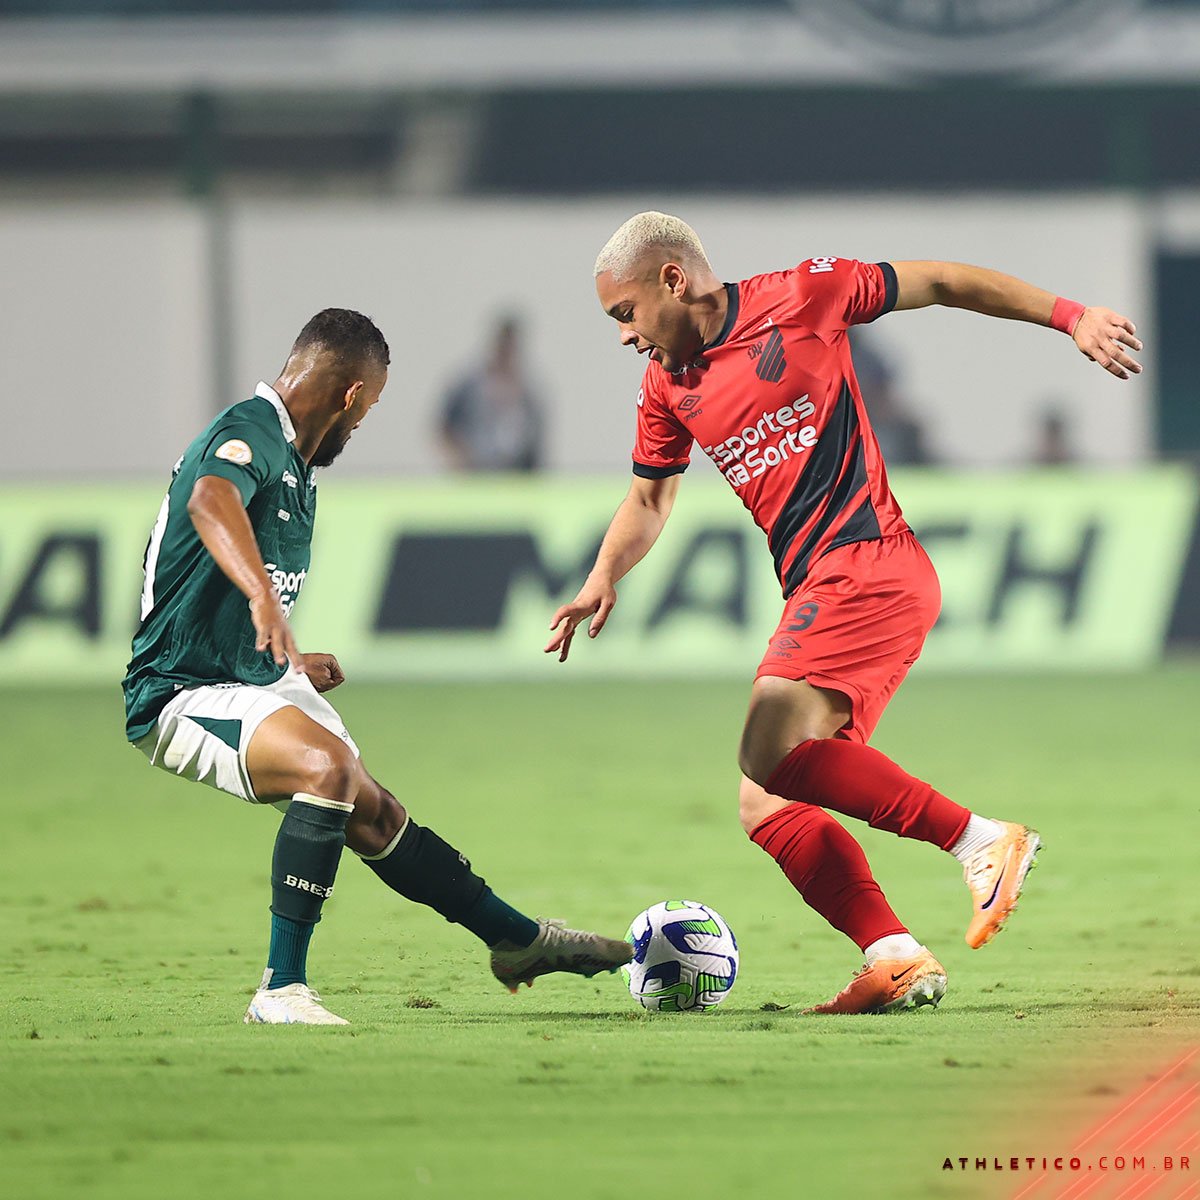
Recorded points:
(785, 713)
(758, 756)
(331, 772)
(378, 817)
(755, 805)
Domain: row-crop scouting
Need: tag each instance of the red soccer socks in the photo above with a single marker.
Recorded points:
(857, 781)
(828, 868)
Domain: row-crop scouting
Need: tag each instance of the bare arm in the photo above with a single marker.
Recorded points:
(219, 516)
(632, 531)
(1100, 333)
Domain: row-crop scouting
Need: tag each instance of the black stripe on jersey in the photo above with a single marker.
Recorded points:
(891, 288)
(819, 488)
(646, 472)
(772, 363)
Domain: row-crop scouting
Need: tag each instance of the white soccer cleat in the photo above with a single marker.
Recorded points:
(296, 1004)
(557, 948)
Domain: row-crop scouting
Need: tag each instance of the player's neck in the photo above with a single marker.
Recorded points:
(309, 422)
(712, 307)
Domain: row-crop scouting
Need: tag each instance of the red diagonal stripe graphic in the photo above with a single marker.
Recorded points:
(1087, 1182)
(1163, 1119)
(1190, 1192)
(1139, 1188)
(1130, 1106)
(1187, 1058)
(1025, 1191)
(1192, 1141)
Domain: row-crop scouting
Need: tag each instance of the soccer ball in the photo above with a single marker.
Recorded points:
(684, 957)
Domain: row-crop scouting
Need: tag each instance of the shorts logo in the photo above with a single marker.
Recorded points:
(234, 451)
(787, 643)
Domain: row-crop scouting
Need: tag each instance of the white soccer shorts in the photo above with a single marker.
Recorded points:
(203, 733)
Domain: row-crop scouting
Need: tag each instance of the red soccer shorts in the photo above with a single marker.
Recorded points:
(857, 624)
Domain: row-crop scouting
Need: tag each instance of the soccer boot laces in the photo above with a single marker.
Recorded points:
(296, 1004)
(890, 985)
(557, 948)
(995, 876)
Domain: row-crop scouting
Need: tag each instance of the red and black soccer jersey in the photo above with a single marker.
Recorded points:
(773, 401)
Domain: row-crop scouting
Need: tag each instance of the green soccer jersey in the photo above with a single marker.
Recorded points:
(195, 625)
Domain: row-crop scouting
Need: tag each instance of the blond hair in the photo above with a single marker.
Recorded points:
(625, 250)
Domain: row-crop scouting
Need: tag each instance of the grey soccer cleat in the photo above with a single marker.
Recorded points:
(296, 1004)
(557, 948)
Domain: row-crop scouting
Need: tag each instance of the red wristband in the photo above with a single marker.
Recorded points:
(1066, 315)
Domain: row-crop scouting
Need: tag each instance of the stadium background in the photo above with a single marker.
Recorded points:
(183, 184)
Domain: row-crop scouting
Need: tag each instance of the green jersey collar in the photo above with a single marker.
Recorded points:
(269, 394)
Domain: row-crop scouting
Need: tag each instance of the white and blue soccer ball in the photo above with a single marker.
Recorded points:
(685, 957)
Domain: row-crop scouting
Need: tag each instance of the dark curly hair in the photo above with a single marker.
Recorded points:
(352, 338)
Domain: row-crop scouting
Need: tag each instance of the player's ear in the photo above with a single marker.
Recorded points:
(351, 395)
(675, 278)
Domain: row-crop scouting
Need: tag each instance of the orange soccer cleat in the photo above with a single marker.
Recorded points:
(995, 876)
(889, 985)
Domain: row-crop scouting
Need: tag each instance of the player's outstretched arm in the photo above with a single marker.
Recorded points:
(219, 516)
(1102, 335)
(633, 530)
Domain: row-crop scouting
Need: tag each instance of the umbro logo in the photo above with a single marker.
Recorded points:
(689, 406)
(787, 643)
(771, 362)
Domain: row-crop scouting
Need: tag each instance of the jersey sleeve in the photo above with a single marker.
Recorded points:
(835, 293)
(243, 452)
(663, 446)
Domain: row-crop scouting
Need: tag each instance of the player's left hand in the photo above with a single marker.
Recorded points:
(1102, 335)
(323, 671)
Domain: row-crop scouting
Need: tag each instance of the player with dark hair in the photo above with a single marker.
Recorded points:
(218, 692)
(759, 374)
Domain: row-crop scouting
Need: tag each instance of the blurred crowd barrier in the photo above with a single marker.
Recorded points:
(1042, 569)
(137, 321)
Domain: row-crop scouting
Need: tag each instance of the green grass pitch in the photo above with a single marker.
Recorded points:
(133, 921)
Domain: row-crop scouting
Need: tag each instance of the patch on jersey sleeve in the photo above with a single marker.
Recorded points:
(234, 451)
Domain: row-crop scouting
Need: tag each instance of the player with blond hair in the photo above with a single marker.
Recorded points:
(759, 374)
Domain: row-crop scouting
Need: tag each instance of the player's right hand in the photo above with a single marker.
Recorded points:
(595, 600)
(274, 634)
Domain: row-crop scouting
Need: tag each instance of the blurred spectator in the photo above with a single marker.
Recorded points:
(491, 419)
(1052, 446)
(900, 436)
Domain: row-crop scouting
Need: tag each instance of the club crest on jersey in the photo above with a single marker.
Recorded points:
(234, 451)
(768, 358)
